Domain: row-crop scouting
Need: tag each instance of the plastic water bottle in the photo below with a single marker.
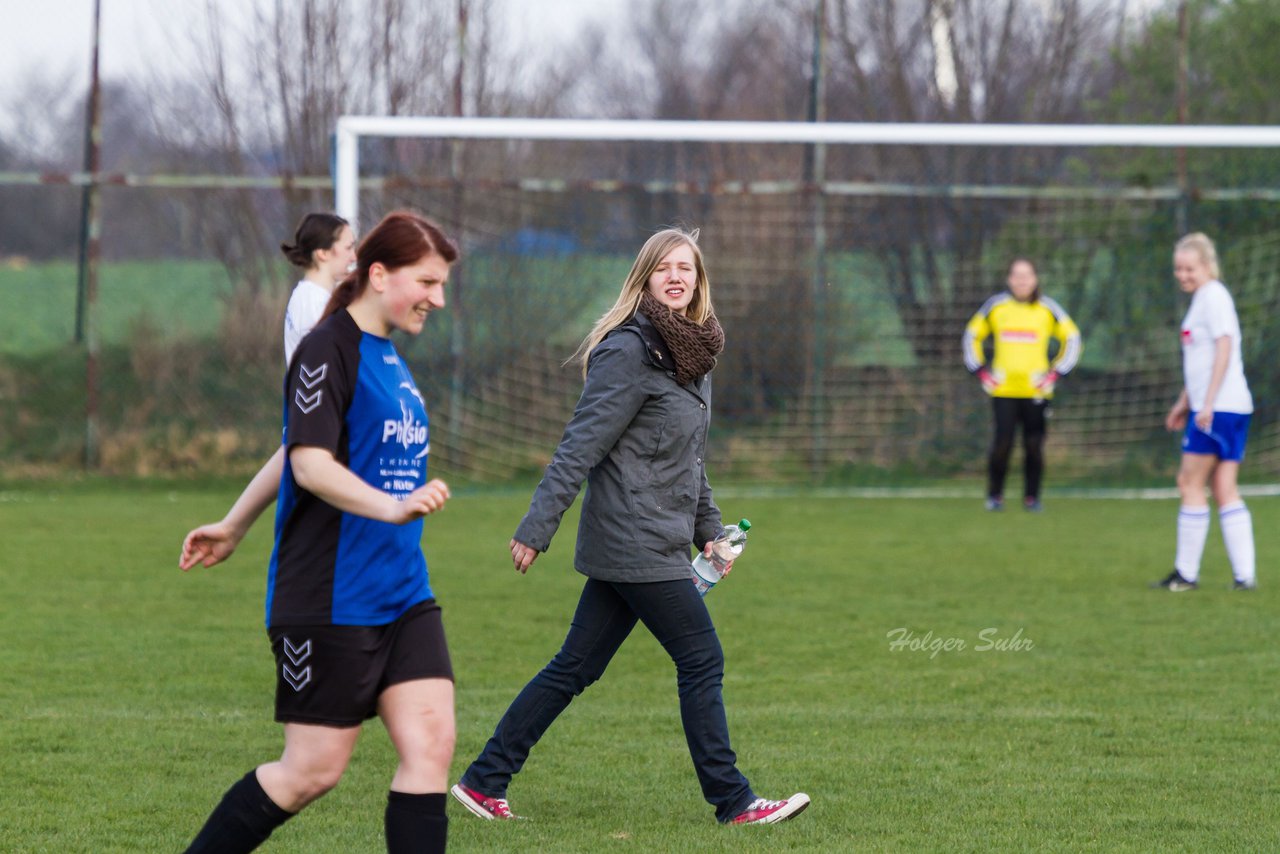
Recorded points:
(706, 573)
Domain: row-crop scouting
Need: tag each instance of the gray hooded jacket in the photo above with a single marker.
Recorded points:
(639, 440)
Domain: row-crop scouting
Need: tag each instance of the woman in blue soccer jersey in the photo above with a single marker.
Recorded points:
(638, 437)
(1020, 379)
(1213, 413)
(352, 619)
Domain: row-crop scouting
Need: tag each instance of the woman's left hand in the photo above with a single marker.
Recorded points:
(423, 501)
(1204, 419)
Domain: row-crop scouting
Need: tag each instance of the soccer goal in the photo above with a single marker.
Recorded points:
(845, 260)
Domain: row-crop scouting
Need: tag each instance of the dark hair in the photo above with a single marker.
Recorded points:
(402, 238)
(1023, 259)
(315, 231)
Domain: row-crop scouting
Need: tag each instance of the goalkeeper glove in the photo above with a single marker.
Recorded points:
(989, 382)
(1046, 383)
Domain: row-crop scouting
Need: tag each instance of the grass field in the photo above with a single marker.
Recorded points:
(38, 302)
(1135, 720)
(187, 298)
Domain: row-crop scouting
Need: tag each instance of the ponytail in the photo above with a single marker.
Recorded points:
(343, 295)
(315, 231)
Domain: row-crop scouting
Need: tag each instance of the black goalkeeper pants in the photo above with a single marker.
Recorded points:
(1009, 413)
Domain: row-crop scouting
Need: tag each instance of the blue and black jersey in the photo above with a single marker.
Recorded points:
(349, 392)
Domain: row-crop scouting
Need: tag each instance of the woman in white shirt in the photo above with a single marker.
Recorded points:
(1213, 412)
(324, 246)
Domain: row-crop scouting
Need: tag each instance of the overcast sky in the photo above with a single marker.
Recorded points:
(53, 36)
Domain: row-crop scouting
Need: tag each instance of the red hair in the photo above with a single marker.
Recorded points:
(401, 239)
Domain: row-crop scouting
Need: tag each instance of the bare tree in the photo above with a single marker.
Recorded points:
(958, 61)
(721, 62)
(267, 91)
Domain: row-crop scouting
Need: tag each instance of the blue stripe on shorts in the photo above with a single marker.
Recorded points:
(1225, 439)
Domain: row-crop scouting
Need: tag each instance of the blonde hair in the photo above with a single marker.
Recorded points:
(651, 254)
(1199, 243)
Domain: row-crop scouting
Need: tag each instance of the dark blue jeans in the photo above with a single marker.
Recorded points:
(607, 611)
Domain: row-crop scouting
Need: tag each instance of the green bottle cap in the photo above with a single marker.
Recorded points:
(744, 525)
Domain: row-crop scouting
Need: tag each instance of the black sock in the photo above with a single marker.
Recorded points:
(416, 824)
(241, 821)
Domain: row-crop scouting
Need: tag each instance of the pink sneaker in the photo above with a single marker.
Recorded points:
(482, 805)
(761, 811)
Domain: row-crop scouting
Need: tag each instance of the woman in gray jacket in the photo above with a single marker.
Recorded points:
(638, 437)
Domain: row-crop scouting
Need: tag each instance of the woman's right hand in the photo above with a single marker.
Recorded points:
(208, 545)
(1176, 419)
(522, 556)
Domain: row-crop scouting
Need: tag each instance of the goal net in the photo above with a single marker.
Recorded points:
(845, 261)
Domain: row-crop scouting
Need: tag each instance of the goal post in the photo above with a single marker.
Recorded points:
(351, 129)
(845, 260)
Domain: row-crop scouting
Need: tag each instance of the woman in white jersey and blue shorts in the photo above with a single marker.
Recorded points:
(1213, 412)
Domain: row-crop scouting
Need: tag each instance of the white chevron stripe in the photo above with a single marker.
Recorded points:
(297, 653)
(311, 378)
(307, 402)
(296, 679)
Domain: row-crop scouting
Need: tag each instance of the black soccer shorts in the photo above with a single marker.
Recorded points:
(333, 675)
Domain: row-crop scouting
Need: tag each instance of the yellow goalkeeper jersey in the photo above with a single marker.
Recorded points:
(1021, 332)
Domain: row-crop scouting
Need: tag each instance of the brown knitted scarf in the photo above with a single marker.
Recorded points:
(694, 347)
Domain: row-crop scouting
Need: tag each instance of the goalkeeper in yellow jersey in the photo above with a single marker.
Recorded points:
(1020, 378)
